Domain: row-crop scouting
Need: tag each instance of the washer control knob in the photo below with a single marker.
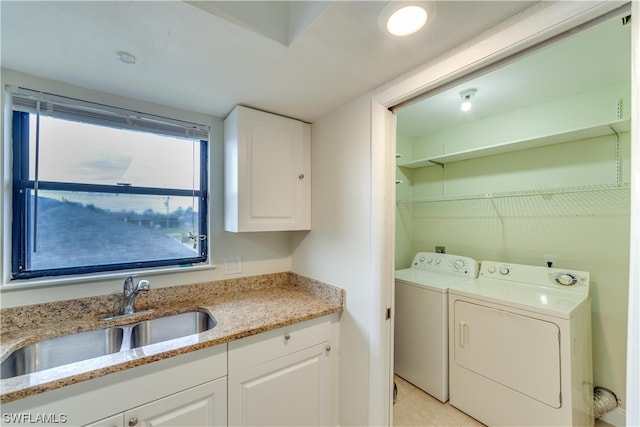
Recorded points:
(438, 261)
(458, 264)
(504, 270)
(421, 259)
(491, 269)
(566, 279)
(430, 260)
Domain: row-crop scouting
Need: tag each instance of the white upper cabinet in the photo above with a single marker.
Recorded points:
(267, 172)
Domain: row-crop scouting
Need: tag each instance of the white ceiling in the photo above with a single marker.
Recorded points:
(593, 58)
(214, 56)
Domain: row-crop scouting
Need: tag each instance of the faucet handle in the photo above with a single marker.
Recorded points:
(143, 285)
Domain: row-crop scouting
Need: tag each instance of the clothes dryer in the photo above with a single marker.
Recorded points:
(520, 346)
(421, 350)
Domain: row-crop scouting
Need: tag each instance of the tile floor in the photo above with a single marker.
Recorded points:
(416, 408)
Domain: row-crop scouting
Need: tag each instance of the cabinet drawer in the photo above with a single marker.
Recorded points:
(251, 351)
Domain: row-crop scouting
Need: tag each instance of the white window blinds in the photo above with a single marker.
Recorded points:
(73, 109)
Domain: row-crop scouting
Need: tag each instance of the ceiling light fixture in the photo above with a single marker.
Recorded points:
(126, 57)
(404, 18)
(466, 96)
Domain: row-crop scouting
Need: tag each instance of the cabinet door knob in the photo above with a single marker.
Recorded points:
(328, 348)
(133, 421)
(301, 176)
(287, 337)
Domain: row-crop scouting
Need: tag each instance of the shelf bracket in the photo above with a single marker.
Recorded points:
(437, 163)
(618, 178)
(493, 203)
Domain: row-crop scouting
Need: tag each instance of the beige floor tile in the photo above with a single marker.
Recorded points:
(434, 410)
(472, 422)
(404, 388)
(404, 415)
(416, 408)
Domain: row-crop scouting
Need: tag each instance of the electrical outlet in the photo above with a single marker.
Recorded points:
(440, 250)
(550, 260)
(232, 265)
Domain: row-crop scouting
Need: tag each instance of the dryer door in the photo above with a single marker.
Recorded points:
(519, 352)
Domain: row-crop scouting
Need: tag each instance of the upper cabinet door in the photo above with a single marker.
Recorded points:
(267, 172)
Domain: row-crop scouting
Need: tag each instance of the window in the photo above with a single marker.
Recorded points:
(97, 188)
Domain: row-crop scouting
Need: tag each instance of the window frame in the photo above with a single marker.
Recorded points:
(22, 187)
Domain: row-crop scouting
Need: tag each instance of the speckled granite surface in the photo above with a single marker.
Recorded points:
(241, 307)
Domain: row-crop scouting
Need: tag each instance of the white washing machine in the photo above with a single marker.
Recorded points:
(421, 350)
(520, 346)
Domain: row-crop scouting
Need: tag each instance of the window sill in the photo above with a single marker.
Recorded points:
(21, 285)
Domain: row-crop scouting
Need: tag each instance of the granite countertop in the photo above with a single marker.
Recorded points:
(241, 307)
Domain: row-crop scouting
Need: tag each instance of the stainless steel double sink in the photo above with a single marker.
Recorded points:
(58, 351)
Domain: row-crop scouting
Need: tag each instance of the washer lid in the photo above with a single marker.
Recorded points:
(428, 280)
(554, 302)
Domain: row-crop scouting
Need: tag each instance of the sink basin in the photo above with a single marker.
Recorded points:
(59, 351)
(62, 350)
(170, 327)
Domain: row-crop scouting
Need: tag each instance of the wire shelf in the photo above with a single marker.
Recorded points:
(521, 193)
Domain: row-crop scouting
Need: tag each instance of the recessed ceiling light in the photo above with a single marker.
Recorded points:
(407, 20)
(404, 18)
(126, 57)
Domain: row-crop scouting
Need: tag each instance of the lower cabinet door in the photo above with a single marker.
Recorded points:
(288, 391)
(203, 405)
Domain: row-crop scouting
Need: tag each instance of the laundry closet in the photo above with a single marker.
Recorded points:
(536, 171)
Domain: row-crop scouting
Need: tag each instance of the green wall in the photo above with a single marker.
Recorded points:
(569, 199)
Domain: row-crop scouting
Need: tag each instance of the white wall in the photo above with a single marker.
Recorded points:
(404, 191)
(337, 249)
(261, 253)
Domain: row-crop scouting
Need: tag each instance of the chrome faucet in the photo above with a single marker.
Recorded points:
(131, 291)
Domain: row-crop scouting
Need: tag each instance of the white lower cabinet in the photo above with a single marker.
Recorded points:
(189, 390)
(284, 377)
(203, 405)
(290, 391)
